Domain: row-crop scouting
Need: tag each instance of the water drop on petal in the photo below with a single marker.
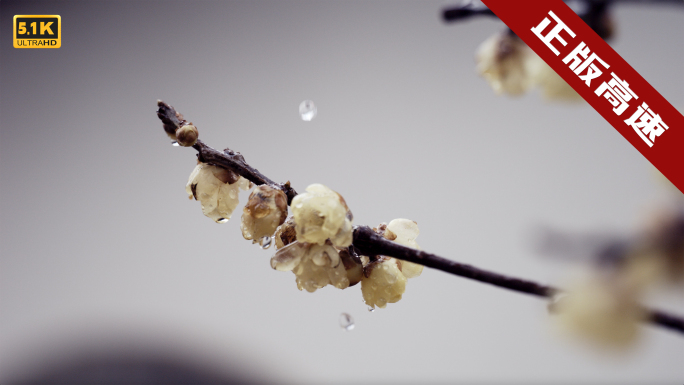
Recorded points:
(371, 309)
(222, 220)
(265, 242)
(307, 110)
(175, 144)
(346, 322)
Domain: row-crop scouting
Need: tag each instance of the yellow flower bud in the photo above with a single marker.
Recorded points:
(187, 135)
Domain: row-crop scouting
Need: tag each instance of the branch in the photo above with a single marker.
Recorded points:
(665, 320)
(369, 243)
(235, 161)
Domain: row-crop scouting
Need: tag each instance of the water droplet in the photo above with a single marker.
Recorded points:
(221, 220)
(175, 144)
(371, 309)
(346, 322)
(554, 301)
(307, 110)
(265, 242)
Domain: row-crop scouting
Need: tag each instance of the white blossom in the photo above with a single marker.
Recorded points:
(217, 189)
(321, 214)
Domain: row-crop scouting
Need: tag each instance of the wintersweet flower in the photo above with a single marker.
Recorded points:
(321, 214)
(217, 189)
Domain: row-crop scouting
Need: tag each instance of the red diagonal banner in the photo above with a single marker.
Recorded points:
(602, 77)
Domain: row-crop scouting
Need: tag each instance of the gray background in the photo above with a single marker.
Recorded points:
(101, 247)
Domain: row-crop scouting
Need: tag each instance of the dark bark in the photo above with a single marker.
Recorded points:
(369, 243)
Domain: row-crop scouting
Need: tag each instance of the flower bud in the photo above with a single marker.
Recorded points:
(187, 135)
(264, 212)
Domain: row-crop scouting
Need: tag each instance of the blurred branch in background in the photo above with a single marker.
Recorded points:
(512, 68)
(589, 10)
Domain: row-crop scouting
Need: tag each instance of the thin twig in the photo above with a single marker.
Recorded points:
(172, 120)
(236, 162)
(368, 242)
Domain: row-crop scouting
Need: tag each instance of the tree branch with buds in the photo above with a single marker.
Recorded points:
(365, 241)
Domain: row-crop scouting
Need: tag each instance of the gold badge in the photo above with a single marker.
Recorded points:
(37, 31)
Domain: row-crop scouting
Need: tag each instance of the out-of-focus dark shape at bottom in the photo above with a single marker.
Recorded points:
(132, 369)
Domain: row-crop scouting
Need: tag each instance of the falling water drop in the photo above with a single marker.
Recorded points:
(221, 220)
(346, 322)
(371, 309)
(265, 242)
(175, 144)
(307, 110)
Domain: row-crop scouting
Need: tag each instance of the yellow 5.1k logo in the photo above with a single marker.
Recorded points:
(37, 31)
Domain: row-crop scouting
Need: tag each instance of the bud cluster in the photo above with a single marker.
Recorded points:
(315, 242)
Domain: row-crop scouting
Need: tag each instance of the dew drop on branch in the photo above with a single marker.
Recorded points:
(175, 144)
(307, 110)
(346, 322)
